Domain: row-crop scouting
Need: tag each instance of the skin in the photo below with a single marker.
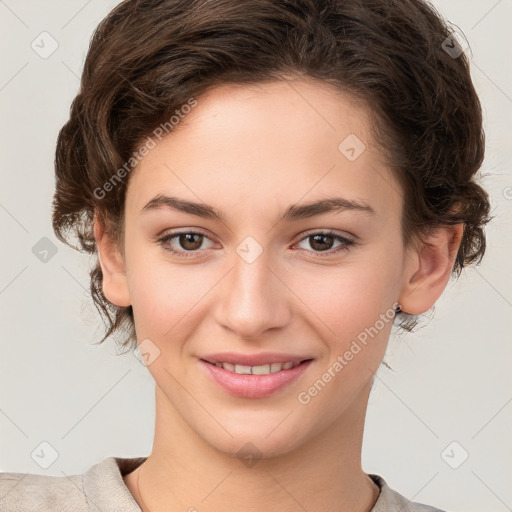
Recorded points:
(251, 152)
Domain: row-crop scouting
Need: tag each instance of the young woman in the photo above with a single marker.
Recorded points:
(268, 186)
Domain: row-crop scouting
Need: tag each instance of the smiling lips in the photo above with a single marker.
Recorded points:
(255, 364)
(263, 369)
(254, 376)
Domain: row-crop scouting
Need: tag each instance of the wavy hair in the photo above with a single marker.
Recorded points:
(147, 58)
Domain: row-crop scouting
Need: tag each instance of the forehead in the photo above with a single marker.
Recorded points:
(253, 143)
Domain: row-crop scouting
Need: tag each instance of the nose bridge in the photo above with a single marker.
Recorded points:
(254, 299)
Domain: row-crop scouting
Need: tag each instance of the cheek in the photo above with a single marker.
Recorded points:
(348, 297)
(163, 293)
(351, 313)
(350, 308)
(353, 319)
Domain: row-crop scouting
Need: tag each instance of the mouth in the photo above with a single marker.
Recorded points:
(258, 381)
(262, 369)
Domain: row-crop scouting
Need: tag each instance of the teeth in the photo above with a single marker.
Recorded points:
(263, 369)
(240, 368)
(260, 370)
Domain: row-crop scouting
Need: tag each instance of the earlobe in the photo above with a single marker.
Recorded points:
(114, 285)
(428, 269)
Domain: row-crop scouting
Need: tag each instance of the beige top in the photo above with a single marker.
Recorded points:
(102, 489)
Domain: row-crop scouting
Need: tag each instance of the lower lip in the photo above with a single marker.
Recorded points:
(253, 386)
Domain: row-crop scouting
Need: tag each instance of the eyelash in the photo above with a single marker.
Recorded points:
(346, 243)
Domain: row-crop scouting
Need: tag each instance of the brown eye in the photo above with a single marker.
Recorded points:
(183, 243)
(190, 241)
(323, 242)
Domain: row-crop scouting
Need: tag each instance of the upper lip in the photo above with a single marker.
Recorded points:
(254, 359)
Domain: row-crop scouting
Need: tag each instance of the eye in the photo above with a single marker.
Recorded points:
(322, 242)
(189, 241)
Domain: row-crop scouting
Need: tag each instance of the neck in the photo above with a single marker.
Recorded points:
(184, 472)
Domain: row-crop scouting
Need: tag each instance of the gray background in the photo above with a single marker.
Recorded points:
(451, 380)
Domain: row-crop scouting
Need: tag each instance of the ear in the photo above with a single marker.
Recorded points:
(428, 269)
(115, 286)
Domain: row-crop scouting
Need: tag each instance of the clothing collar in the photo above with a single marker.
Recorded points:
(104, 486)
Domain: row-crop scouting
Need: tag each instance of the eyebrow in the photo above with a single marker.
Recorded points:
(293, 213)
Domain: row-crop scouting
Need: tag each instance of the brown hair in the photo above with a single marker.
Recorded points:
(148, 58)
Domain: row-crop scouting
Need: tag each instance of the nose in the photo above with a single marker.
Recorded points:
(254, 298)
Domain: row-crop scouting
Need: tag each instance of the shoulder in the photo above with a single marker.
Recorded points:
(27, 492)
(101, 487)
(391, 501)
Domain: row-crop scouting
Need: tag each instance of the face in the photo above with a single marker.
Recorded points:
(255, 277)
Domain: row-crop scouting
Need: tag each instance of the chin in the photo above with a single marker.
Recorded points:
(256, 439)
(249, 449)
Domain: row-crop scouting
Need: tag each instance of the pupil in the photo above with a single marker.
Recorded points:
(188, 238)
(322, 246)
